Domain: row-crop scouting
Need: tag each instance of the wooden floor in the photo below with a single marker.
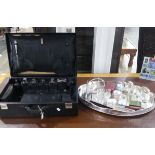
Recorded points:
(4, 66)
(110, 75)
(4, 75)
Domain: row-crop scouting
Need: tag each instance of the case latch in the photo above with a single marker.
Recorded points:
(3, 106)
(68, 105)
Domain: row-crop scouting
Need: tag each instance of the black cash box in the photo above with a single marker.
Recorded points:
(43, 78)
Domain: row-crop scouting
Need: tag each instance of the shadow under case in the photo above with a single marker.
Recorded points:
(43, 75)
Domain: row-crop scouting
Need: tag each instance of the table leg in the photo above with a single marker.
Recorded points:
(132, 55)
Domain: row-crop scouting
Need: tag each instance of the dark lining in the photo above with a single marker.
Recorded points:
(55, 54)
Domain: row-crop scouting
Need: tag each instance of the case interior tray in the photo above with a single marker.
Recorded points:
(39, 93)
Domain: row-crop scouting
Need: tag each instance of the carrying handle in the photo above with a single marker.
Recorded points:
(38, 110)
(31, 110)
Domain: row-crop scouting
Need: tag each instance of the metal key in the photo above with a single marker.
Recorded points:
(41, 113)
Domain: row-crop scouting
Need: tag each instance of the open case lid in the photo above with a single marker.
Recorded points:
(45, 54)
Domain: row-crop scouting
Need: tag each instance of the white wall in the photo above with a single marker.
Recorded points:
(132, 33)
(103, 48)
(64, 29)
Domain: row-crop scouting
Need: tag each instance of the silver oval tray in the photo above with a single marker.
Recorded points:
(106, 110)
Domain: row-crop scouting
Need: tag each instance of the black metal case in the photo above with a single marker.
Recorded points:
(43, 75)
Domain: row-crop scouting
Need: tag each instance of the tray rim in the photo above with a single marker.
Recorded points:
(111, 111)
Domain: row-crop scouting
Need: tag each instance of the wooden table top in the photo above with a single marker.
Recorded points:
(88, 118)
